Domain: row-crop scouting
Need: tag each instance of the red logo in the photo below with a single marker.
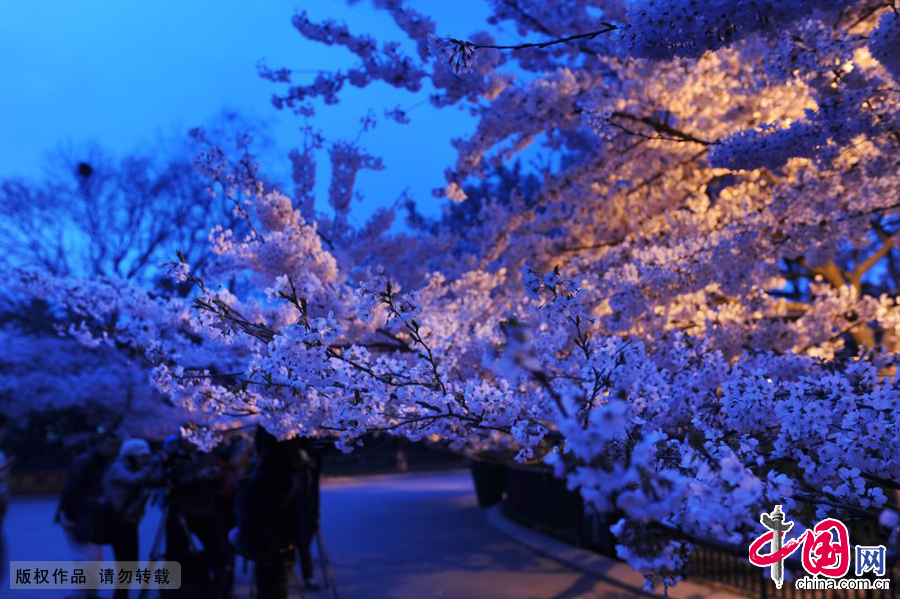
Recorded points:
(823, 556)
(822, 553)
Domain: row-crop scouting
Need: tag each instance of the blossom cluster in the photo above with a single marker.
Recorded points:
(688, 307)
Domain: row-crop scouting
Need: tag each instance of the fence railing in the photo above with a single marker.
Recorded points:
(733, 568)
(538, 499)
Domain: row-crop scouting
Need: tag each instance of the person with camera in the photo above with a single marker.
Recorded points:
(267, 509)
(5, 467)
(308, 521)
(80, 501)
(232, 459)
(127, 485)
(193, 478)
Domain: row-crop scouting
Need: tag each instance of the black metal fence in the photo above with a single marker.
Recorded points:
(733, 568)
(538, 499)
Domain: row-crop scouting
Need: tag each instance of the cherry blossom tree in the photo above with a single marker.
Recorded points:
(687, 306)
(42, 374)
(122, 218)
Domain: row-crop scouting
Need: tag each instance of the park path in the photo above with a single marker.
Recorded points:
(413, 536)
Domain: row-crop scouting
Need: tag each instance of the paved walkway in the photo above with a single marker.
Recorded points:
(424, 537)
(389, 537)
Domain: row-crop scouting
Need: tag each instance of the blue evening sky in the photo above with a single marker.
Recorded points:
(123, 74)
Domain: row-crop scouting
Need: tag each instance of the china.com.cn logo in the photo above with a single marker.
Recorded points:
(826, 552)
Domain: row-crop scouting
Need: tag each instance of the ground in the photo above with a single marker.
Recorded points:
(416, 536)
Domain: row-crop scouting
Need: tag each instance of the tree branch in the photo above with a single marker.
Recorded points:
(855, 278)
(667, 132)
(607, 27)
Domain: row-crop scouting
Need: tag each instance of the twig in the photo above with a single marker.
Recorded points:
(591, 35)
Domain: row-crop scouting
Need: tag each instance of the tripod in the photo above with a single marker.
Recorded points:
(155, 550)
(202, 564)
(327, 571)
